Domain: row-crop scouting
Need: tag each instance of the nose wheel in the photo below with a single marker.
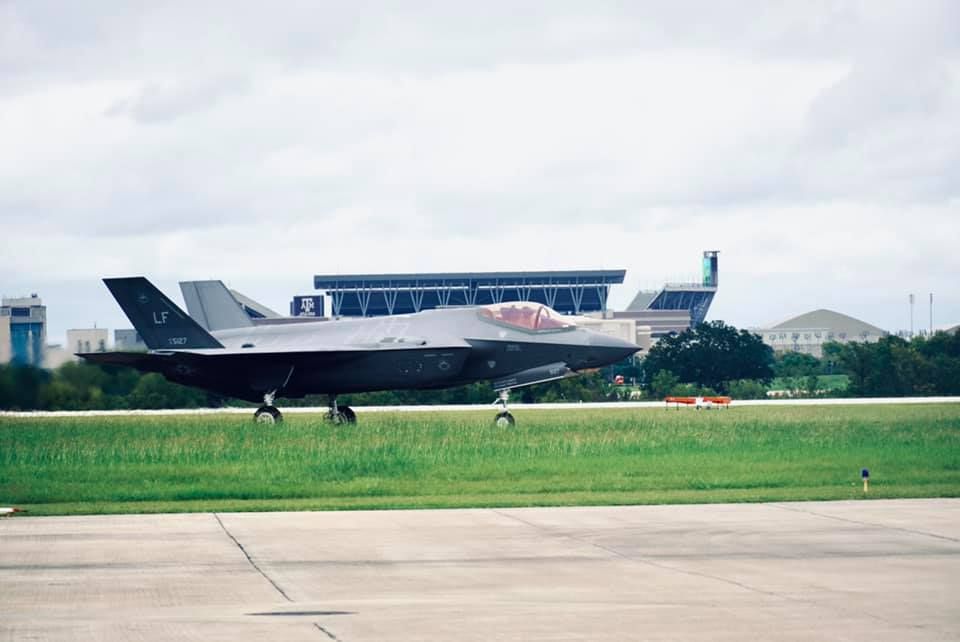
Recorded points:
(503, 419)
(268, 413)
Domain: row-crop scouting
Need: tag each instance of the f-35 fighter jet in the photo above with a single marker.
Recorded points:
(513, 344)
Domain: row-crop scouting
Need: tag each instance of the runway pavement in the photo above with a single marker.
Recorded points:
(868, 570)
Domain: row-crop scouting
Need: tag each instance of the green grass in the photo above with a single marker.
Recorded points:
(832, 383)
(419, 460)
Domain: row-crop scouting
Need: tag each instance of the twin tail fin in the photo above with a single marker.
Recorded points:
(161, 324)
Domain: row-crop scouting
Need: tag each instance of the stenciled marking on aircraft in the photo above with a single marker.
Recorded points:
(162, 319)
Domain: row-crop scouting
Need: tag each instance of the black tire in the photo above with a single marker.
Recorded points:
(267, 415)
(345, 415)
(504, 420)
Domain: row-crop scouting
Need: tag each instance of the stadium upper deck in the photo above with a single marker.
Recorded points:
(567, 291)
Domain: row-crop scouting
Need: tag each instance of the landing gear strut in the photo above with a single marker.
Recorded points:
(503, 419)
(340, 414)
(268, 413)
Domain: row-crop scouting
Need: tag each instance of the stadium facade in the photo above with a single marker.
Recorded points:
(673, 308)
(366, 295)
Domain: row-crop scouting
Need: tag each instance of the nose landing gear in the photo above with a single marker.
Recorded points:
(503, 419)
(268, 413)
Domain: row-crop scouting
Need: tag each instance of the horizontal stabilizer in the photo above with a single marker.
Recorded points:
(143, 361)
(162, 324)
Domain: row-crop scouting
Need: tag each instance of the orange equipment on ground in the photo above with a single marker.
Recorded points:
(699, 402)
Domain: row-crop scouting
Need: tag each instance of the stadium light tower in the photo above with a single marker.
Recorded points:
(910, 298)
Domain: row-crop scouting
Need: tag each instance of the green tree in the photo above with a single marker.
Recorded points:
(747, 389)
(711, 355)
(21, 386)
(894, 367)
(153, 391)
(796, 364)
(663, 384)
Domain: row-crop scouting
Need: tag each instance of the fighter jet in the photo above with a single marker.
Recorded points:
(513, 345)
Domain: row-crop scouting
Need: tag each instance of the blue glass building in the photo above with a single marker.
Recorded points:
(25, 323)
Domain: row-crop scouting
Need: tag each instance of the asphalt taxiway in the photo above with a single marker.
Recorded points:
(867, 570)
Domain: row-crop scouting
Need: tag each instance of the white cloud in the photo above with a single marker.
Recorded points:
(816, 145)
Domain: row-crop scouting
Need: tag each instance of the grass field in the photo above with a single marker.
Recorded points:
(414, 460)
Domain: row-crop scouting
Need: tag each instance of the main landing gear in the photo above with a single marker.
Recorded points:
(503, 419)
(340, 414)
(268, 413)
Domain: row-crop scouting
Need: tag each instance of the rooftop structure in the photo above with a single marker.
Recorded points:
(695, 298)
(363, 295)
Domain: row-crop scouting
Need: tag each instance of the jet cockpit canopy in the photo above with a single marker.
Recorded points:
(526, 315)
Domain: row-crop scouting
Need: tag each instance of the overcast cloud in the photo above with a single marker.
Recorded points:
(816, 144)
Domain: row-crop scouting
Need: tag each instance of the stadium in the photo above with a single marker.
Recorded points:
(672, 308)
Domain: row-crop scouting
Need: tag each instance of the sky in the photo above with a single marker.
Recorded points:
(815, 144)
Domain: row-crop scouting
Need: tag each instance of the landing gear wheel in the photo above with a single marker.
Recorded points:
(267, 415)
(342, 415)
(503, 419)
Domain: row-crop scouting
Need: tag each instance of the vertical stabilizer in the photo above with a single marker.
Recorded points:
(212, 306)
(162, 324)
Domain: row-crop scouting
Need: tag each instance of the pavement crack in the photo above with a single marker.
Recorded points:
(660, 565)
(250, 559)
(327, 633)
(862, 523)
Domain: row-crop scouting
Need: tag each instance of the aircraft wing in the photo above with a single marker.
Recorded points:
(138, 359)
(292, 348)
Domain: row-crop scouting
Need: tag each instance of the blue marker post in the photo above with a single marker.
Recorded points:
(865, 474)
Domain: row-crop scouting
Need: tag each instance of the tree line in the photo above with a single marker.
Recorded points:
(83, 386)
(717, 358)
(713, 358)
